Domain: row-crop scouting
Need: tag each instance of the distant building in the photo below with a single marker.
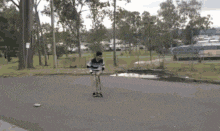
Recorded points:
(104, 43)
(210, 32)
(84, 43)
(59, 44)
(116, 41)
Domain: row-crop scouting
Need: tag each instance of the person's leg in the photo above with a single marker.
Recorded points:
(100, 86)
(99, 81)
(93, 79)
(97, 84)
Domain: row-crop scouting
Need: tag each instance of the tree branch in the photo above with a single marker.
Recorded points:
(38, 3)
(15, 3)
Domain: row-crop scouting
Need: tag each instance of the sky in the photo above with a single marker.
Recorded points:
(211, 7)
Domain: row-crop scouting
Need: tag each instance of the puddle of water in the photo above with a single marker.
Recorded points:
(142, 62)
(134, 75)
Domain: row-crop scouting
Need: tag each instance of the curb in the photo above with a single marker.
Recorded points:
(170, 75)
(73, 74)
(162, 77)
(203, 81)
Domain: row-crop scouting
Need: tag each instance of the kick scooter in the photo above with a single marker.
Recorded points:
(98, 83)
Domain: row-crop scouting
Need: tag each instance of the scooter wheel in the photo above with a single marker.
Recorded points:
(94, 94)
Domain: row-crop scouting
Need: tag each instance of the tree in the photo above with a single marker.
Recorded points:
(169, 15)
(170, 18)
(60, 50)
(69, 13)
(9, 31)
(96, 36)
(41, 31)
(99, 32)
(149, 31)
(190, 11)
(28, 21)
(128, 26)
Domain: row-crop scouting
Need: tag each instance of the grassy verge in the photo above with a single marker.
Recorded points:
(67, 64)
(208, 70)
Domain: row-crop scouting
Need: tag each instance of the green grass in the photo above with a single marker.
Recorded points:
(205, 70)
(11, 68)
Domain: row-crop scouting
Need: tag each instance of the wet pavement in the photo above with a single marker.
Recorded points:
(67, 103)
(150, 86)
(145, 81)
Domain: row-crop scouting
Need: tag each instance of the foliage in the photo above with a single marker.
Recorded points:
(128, 26)
(169, 15)
(60, 50)
(96, 47)
(190, 11)
(98, 32)
(97, 35)
(172, 17)
(9, 31)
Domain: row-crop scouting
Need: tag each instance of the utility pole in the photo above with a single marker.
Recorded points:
(54, 44)
(114, 35)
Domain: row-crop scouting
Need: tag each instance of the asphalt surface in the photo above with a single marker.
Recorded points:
(149, 86)
(67, 104)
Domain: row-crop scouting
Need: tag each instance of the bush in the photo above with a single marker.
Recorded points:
(60, 50)
(96, 47)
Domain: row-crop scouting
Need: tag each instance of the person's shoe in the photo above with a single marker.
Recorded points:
(100, 94)
(96, 94)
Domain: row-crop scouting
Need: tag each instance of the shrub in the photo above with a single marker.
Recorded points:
(60, 50)
(96, 47)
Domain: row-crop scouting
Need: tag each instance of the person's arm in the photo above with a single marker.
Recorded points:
(89, 64)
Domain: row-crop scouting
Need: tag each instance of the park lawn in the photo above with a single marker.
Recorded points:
(205, 70)
(64, 63)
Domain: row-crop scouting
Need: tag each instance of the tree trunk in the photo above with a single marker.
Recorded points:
(21, 54)
(28, 21)
(30, 57)
(39, 51)
(145, 48)
(129, 48)
(29, 33)
(136, 49)
(44, 48)
(78, 36)
(64, 43)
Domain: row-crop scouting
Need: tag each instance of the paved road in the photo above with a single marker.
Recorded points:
(67, 104)
(148, 86)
